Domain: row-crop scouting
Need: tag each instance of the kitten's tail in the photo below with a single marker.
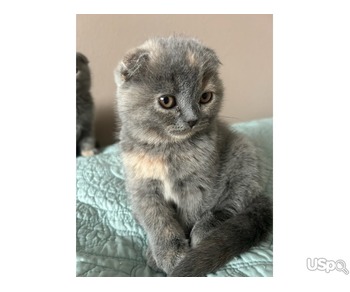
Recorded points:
(235, 236)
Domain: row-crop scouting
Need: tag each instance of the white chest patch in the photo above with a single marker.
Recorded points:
(169, 194)
(143, 166)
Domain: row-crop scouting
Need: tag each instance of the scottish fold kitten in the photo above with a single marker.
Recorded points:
(195, 186)
(84, 115)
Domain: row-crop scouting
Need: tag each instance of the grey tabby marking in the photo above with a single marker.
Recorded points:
(194, 185)
(85, 139)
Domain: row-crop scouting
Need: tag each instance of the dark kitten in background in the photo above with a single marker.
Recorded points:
(85, 143)
(195, 186)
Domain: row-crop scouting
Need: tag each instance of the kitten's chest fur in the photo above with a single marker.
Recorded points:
(186, 173)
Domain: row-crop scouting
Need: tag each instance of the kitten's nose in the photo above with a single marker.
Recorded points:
(191, 123)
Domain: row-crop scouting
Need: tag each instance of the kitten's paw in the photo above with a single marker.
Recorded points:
(197, 235)
(205, 226)
(88, 153)
(170, 254)
(151, 261)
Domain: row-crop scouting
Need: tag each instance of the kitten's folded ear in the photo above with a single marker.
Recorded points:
(132, 64)
(213, 58)
(82, 58)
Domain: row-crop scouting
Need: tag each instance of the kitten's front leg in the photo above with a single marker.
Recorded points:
(167, 241)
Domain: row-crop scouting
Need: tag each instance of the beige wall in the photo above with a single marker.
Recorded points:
(242, 42)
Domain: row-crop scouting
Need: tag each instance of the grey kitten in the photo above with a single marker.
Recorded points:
(85, 139)
(194, 185)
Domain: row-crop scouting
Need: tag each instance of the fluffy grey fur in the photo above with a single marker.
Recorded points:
(194, 185)
(85, 140)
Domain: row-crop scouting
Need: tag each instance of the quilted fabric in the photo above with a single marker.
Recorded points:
(109, 242)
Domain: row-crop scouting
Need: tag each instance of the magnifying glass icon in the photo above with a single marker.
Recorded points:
(340, 266)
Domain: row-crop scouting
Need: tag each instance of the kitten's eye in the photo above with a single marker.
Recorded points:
(206, 97)
(167, 101)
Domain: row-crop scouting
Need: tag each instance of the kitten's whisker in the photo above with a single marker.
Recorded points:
(230, 118)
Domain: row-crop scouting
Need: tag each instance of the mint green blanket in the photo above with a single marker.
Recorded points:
(110, 243)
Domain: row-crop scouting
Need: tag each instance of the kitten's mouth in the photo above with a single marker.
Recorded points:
(181, 133)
